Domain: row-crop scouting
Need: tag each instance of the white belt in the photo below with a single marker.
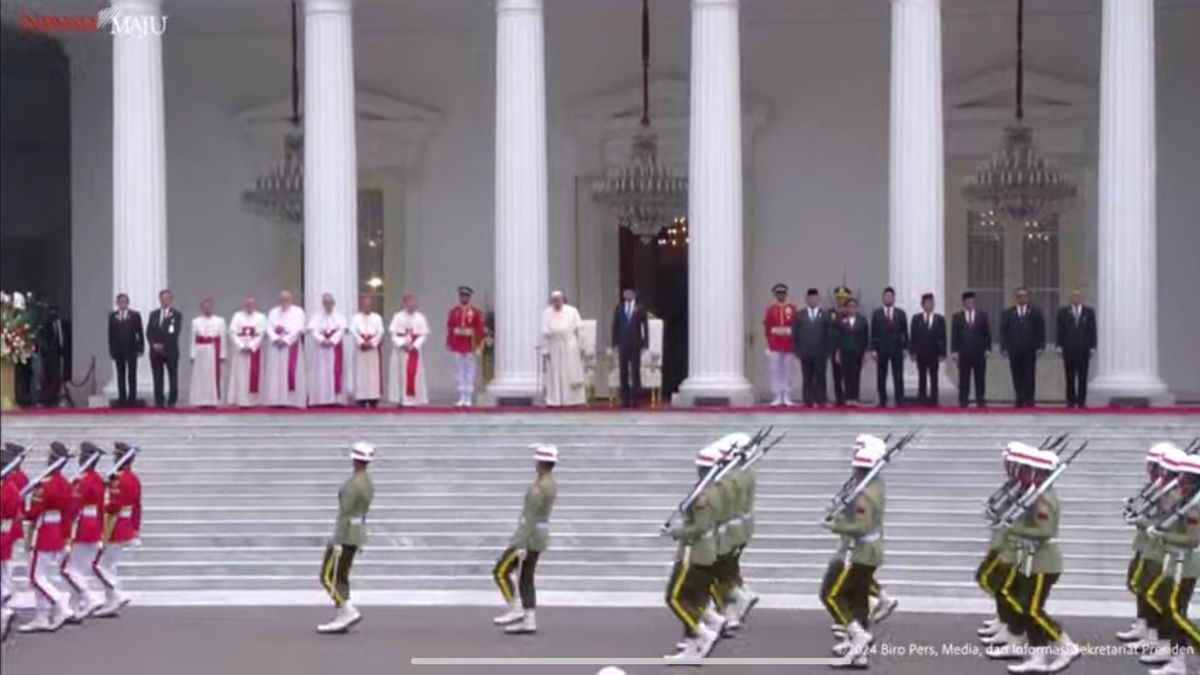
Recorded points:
(463, 331)
(6, 525)
(870, 537)
(89, 512)
(51, 517)
(781, 330)
(544, 525)
(126, 512)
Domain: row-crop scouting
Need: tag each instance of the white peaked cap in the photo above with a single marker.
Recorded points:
(1158, 450)
(546, 453)
(1173, 459)
(868, 451)
(611, 670)
(1190, 464)
(734, 440)
(709, 455)
(1025, 455)
(363, 452)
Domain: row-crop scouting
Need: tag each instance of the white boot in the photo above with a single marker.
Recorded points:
(787, 401)
(1015, 648)
(689, 652)
(88, 607)
(527, 625)
(60, 615)
(706, 638)
(346, 617)
(1176, 666)
(1150, 641)
(1063, 654)
(855, 649)
(777, 401)
(714, 620)
(40, 624)
(6, 616)
(1000, 637)
(887, 604)
(747, 600)
(1136, 632)
(514, 614)
(989, 627)
(1158, 654)
(112, 606)
(1037, 662)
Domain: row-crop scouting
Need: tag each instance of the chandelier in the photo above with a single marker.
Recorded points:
(1016, 182)
(644, 194)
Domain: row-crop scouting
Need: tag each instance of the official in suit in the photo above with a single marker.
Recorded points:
(841, 295)
(810, 339)
(889, 340)
(970, 344)
(54, 343)
(927, 345)
(126, 343)
(1076, 338)
(1022, 339)
(851, 338)
(630, 335)
(163, 334)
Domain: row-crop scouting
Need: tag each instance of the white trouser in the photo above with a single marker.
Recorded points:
(464, 369)
(106, 569)
(781, 372)
(43, 564)
(78, 567)
(6, 582)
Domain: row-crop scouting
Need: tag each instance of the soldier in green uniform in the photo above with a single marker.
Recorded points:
(997, 566)
(1147, 560)
(739, 600)
(687, 589)
(349, 535)
(526, 545)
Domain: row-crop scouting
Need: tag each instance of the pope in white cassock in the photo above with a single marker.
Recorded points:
(326, 355)
(367, 328)
(208, 350)
(285, 359)
(406, 374)
(246, 331)
(560, 336)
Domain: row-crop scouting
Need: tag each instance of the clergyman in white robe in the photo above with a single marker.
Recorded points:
(564, 361)
(327, 358)
(285, 384)
(209, 348)
(367, 328)
(247, 329)
(406, 374)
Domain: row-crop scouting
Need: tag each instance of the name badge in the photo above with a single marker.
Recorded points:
(170, 328)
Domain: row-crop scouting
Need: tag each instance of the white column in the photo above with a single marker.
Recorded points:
(520, 199)
(1127, 302)
(330, 162)
(716, 335)
(139, 169)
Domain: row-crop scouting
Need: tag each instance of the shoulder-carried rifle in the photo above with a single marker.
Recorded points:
(14, 464)
(852, 488)
(710, 477)
(121, 462)
(1180, 511)
(1003, 496)
(50, 469)
(1031, 495)
(1138, 506)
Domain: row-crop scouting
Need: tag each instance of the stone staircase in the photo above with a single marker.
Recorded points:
(244, 502)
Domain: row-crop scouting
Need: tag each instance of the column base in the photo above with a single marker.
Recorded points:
(1129, 389)
(512, 391)
(700, 392)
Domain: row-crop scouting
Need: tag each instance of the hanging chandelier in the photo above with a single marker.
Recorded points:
(1016, 182)
(644, 194)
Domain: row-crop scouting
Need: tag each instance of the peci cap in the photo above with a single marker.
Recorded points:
(967, 295)
(812, 291)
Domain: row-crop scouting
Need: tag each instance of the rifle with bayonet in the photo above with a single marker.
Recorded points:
(710, 477)
(853, 487)
(1031, 495)
(1002, 498)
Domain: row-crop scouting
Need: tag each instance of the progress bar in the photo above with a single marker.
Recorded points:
(555, 661)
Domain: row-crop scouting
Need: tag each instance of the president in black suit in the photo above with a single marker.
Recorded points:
(163, 334)
(1022, 338)
(126, 344)
(1076, 337)
(927, 345)
(630, 335)
(851, 338)
(889, 340)
(811, 343)
(970, 344)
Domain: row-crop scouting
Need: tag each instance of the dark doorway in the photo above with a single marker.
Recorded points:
(658, 270)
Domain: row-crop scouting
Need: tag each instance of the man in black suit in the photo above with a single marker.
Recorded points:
(1022, 339)
(927, 346)
(970, 344)
(1076, 337)
(163, 334)
(54, 343)
(810, 341)
(126, 343)
(630, 335)
(889, 340)
(851, 337)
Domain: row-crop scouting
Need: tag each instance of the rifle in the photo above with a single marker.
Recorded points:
(120, 463)
(1030, 496)
(1138, 506)
(1004, 492)
(50, 469)
(851, 489)
(14, 464)
(761, 453)
(1171, 520)
(709, 478)
(88, 464)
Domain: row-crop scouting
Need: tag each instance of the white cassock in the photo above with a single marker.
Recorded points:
(367, 330)
(285, 357)
(564, 373)
(406, 373)
(246, 332)
(327, 358)
(209, 349)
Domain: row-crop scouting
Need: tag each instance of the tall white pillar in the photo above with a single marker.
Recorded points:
(520, 199)
(330, 160)
(139, 168)
(716, 335)
(1127, 302)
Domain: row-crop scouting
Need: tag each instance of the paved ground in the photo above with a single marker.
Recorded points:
(281, 641)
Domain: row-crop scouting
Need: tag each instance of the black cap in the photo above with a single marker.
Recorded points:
(120, 448)
(779, 288)
(88, 448)
(8, 453)
(465, 290)
(58, 450)
(813, 291)
(926, 296)
(968, 294)
(14, 448)
(889, 289)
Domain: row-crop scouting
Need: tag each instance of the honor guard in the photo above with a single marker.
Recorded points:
(86, 531)
(464, 338)
(12, 509)
(777, 323)
(731, 536)
(997, 566)
(1146, 561)
(349, 535)
(526, 546)
(738, 600)
(122, 527)
(50, 502)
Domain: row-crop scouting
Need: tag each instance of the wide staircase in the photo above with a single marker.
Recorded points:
(242, 504)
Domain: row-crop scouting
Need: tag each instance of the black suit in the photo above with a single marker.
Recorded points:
(630, 335)
(927, 344)
(163, 329)
(126, 343)
(971, 342)
(1076, 339)
(1022, 336)
(54, 343)
(849, 344)
(810, 344)
(889, 340)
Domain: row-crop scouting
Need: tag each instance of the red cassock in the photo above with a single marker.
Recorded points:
(11, 506)
(89, 516)
(125, 502)
(464, 329)
(53, 501)
(778, 322)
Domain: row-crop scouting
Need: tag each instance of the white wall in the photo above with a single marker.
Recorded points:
(817, 177)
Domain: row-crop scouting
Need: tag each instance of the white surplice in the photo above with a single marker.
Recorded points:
(246, 333)
(368, 333)
(406, 373)
(209, 349)
(564, 371)
(285, 357)
(327, 359)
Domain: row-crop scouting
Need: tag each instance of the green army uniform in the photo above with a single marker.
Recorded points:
(532, 536)
(1144, 568)
(1038, 567)
(845, 591)
(349, 535)
(1171, 591)
(687, 589)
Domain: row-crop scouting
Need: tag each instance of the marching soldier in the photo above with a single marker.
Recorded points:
(993, 573)
(86, 528)
(687, 589)
(464, 338)
(527, 545)
(740, 599)
(1147, 557)
(122, 527)
(349, 535)
(731, 537)
(777, 323)
(11, 512)
(51, 499)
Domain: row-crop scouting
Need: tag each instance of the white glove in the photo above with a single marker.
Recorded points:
(521, 554)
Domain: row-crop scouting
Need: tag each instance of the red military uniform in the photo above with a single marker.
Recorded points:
(125, 502)
(89, 512)
(11, 507)
(464, 329)
(778, 323)
(19, 479)
(52, 504)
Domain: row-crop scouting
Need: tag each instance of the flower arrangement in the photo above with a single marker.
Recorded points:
(17, 328)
